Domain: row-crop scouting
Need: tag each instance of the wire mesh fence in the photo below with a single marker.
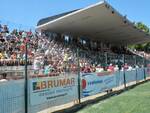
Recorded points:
(54, 70)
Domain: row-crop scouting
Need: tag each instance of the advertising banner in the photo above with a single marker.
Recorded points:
(147, 71)
(120, 78)
(58, 90)
(12, 96)
(140, 74)
(93, 83)
(130, 76)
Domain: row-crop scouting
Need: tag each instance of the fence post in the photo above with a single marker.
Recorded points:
(124, 76)
(26, 79)
(106, 58)
(118, 75)
(144, 68)
(136, 67)
(79, 86)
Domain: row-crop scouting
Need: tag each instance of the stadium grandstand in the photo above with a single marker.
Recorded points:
(95, 30)
(94, 39)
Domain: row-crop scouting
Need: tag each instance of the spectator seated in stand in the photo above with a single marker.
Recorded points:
(3, 79)
(126, 67)
(99, 68)
(116, 68)
(111, 68)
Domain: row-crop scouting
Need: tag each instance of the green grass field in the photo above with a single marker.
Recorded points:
(136, 100)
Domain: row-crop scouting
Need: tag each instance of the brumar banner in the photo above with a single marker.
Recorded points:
(58, 90)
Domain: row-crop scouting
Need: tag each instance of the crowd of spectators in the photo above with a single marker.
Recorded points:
(51, 55)
(12, 46)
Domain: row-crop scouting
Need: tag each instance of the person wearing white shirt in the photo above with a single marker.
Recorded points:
(99, 68)
(129, 68)
(116, 68)
(4, 75)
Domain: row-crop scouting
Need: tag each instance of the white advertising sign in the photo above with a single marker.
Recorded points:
(58, 90)
(93, 83)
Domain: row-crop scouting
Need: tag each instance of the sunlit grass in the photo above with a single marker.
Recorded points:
(136, 100)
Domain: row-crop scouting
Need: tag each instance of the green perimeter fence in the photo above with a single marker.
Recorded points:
(74, 82)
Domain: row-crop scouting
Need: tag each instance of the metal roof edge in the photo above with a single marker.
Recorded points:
(99, 3)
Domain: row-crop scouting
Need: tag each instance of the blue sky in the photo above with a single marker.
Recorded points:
(26, 13)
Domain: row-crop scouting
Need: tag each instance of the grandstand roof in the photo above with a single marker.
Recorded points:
(45, 20)
(98, 22)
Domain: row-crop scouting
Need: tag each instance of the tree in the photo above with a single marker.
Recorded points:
(142, 27)
(142, 47)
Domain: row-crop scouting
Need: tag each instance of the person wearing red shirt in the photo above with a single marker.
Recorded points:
(111, 67)
(126, 66)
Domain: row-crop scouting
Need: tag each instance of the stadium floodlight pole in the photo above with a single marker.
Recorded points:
(26, 77)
